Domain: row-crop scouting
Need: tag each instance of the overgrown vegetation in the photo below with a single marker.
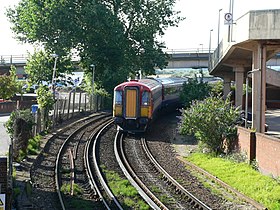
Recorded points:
(45, 100)
(19, 127)
(242, 177)
(33, 147)
(212, 121)
(195, 89)
(66, 189)
(9, 85)
(23, 114)
(122, 187)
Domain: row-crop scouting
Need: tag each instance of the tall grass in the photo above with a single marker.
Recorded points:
(123, 189)
(242, 177)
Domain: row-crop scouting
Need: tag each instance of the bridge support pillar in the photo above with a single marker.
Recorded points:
(239, 81)
(259, 88)
(227, 83)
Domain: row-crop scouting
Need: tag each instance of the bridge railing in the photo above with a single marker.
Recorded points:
(188, 51)
(13, 59)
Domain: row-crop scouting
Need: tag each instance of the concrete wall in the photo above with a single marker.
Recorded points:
(262, 148)
(264, 24)
(241, 28)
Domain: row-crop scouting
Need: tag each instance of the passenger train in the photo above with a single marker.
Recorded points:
(137, 102)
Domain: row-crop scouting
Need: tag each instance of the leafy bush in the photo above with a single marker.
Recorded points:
(217, 88)
(24, 114)
(9, 85)
(211, 121)
(194, 90)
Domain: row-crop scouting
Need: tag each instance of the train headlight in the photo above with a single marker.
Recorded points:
(145, 111)
(117, 110)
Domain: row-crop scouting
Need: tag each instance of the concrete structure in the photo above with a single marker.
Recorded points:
(188, 58)
(250, 42)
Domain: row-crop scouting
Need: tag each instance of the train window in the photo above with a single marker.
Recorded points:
(145, 98)
(118, 97)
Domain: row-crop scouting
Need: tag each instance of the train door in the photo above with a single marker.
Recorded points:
(131, 102)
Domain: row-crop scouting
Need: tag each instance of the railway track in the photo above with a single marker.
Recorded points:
(83, 155)
(61, 166)
(149, 168)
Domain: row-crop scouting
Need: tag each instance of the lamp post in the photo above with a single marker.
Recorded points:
(209, 53)
(218, 44)
(55, 56)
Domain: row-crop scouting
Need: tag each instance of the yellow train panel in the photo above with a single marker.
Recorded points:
(146, 111)
(131, 103)
(118, 110)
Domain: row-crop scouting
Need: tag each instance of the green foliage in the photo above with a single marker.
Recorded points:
(45, 97)
(216, 88)
(24, 114)
(33, 145)
(211, 121)
(21, 155)
(66, 189)
(9, 85)
(194, 90)
(40, 66)
(16, 192)
(123, 188)
(242, 177)
(119, 37)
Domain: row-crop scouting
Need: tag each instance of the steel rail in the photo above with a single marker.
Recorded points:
(190, 196)
(145, 193)
(61, 149)
(98, 172)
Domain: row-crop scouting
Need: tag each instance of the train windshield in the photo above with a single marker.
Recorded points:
(118, 97)
(145, 98)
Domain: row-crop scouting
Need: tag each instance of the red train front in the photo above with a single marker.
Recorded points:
(135, 103)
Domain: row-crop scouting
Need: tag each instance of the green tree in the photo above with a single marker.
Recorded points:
(45, 100)
(8, 84)
(40, 66)
(119, 37)
(194, 90)
(212, 121)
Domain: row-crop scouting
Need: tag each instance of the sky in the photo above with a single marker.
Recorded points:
(193, 33)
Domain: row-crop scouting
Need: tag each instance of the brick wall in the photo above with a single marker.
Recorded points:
(268, 154)
(9, 106)
(263, 148)
(246, 142)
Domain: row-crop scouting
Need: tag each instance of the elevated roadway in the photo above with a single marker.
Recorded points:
(251, 41)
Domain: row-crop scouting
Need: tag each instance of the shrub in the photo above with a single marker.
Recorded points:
(211, 121)
(194, 90)
(23, 114)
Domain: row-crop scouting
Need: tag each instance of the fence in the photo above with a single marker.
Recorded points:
(67, 105)
(9, 106)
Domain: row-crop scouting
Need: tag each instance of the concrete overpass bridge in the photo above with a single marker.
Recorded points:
(184, 58)
(245, 50)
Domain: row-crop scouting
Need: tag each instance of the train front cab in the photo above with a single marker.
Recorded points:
(132, 108)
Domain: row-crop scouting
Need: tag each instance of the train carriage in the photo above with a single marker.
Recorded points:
(137, 102)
